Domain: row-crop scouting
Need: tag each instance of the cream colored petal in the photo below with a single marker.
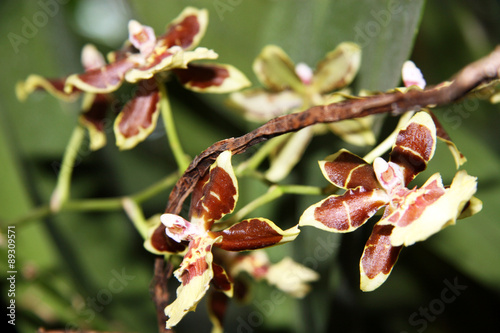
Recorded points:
(440, 214)
(195, 275)
(339, 68)
(291, 277)
(276, 70)
(260, 105)
(289, 155)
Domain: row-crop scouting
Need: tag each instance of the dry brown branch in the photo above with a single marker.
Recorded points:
(159, 291)
(483, 70)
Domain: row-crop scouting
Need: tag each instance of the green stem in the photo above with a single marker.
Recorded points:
(103, 204)
(136, 215)
(173, 139)
(61, 193)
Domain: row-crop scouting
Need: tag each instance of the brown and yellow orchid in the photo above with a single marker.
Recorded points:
(214, 196)
(291, 88)
(410, 215)
(139, 61)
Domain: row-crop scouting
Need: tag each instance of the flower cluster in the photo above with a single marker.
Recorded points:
(141, 61)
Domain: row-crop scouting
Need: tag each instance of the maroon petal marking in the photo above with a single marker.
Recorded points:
(182, 33)
(217, 196)
(349, 171)
(349, 211)
(96, 114)
(101, 80)
(138, 113)
(221, 280)
(249, 234)
(413, 149)
(162, 243)
(379, 255)
(202, 76)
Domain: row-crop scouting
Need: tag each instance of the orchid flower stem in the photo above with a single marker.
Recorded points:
(173, 139)
(136, 215)
(61, 192)
(103, 204)
(389, 141)
(272, 194)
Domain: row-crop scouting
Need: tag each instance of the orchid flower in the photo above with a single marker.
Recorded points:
(214, 196)
(291, 88)
(410, 215)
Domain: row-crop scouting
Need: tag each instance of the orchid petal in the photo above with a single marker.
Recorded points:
(195, 274)
(472, 207)
(435, 209)
(100, 80)
(344, 213)
(255, 233)
(142, 37)
(260, 105)
(255, 263)
(339, 68)
(291, 277)
(221, 280)
(348, 171)
(276, 70)
(157, 242)
(55, 87)
(139, 116)
(187, 29)
(179, 229)
(166, 59)
(92, 58)
(415, 145)
(212, 78)
(378, 259)
(219, 193)
(93, 118)
(289, 155)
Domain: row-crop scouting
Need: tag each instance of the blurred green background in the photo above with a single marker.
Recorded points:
(67, 260)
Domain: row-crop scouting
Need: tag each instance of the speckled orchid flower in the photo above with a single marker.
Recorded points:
(291, 88)
(143, 56)
(213, 197)
(410, 215)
